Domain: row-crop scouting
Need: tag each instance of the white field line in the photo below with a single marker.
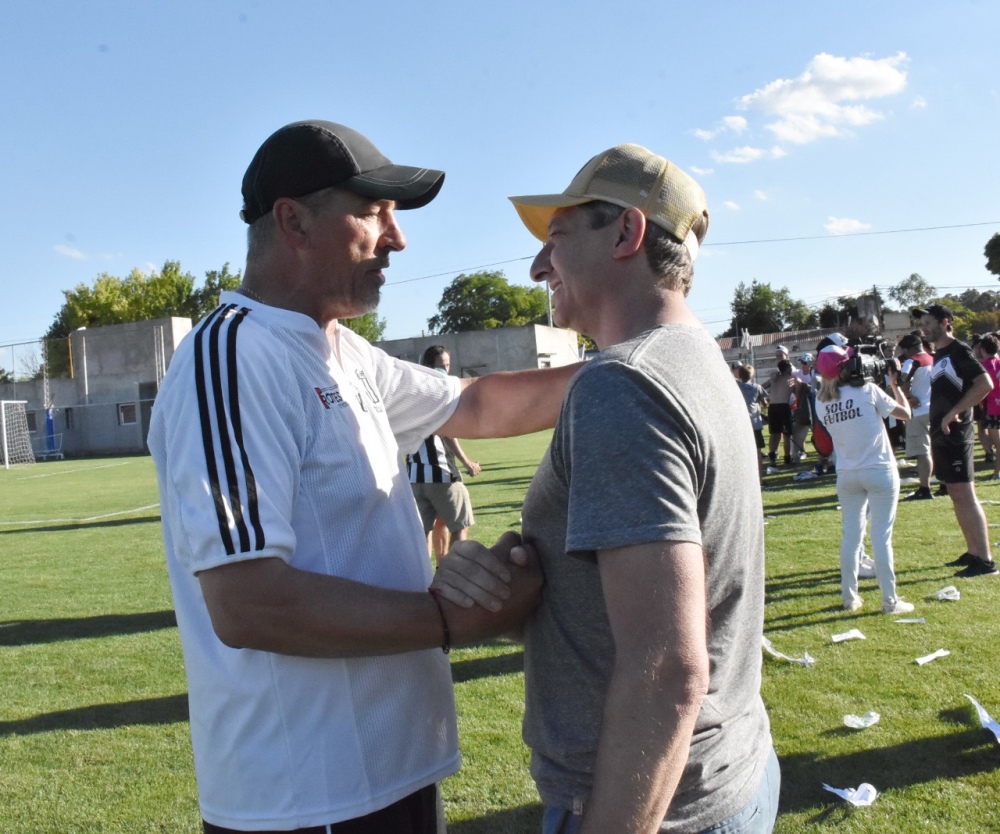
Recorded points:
(81, 520)
(80, 469)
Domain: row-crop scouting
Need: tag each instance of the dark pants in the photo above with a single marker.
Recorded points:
(414, 814)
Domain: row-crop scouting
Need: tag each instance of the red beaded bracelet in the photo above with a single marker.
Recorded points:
(446, 645)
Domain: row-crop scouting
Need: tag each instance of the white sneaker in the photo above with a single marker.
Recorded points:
(854, 604)
(897, 606)
(866, 568)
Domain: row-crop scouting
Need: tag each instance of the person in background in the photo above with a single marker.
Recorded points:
(866, 471)
(435, 480)
(915, 382)
(979, 409)
(756, 399)
(990, 347)
(780, 387)
(958, 382)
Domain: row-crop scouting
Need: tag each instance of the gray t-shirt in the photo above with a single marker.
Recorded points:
(652, 444)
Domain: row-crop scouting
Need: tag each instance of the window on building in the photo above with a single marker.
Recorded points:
(70, 418)
(126, 414)
(32, 425)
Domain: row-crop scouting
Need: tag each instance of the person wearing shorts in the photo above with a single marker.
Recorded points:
(915, 381)
(958, 382)
(442, 499)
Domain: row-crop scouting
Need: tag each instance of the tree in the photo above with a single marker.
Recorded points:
(992, 253)
(138, 297)
(760, 308)
(912, 292)
(484, 300)
(368, 326)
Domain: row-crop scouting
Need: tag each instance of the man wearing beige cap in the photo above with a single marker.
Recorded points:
(639, 717)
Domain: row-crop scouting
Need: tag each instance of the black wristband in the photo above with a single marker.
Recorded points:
(446, 644)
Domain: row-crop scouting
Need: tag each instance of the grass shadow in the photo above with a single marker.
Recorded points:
(29, 632)
(944, 757)
(487, 667)
(82, 525)
(512, 821)
(170, 709)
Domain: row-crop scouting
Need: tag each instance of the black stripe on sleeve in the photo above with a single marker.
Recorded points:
(234, 409)
(206, 426)
(222, 421)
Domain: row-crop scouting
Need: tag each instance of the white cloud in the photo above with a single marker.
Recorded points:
(822, 102)
(740, 155)
(760, 195)
(737, 124)
(734, 124)
(919, 103)
(701, 172)
(729, 204)
(845, 226)
(70, 252)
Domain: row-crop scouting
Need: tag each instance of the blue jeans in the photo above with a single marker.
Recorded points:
(756, 817)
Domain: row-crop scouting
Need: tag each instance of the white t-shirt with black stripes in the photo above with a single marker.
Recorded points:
(267, 446)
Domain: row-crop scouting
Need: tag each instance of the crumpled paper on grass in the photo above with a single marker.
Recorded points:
(927, 658)
(806, 661)
(864, 794)
(948, 594)
(985, 719)
(861, 722)
(853, 634)
(911, 621)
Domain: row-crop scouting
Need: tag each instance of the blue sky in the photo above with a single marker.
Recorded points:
(127, 126)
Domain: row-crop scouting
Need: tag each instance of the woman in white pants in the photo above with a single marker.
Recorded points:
(866, 470)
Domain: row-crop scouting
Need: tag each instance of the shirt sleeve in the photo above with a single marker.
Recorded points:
(633, 466)
(235, 438)
(884, 404)
(418, 399)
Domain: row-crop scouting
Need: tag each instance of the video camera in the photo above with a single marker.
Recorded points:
(871, 360)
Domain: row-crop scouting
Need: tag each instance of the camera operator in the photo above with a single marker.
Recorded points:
(852, 410)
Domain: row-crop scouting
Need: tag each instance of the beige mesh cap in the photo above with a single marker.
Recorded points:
(629, 176)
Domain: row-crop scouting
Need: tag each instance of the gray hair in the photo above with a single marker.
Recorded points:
(262, 232)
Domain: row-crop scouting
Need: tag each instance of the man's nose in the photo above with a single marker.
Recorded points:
(392, 235)
(540, 267)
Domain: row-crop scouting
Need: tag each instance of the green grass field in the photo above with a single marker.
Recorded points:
(93, 716)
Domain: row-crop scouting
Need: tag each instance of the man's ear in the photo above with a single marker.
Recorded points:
(289, 216)
(631, 227)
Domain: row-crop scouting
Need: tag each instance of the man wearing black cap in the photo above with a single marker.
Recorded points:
(958, 382)
(642, 662)
(915, 383)
(319, 697)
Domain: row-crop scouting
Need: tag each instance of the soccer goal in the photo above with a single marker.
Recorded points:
(14, 432)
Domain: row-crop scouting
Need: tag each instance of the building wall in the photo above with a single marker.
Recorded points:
(481, 352)
(104, 408)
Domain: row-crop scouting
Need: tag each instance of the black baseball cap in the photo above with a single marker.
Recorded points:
(939, 311)
(910, 340)
(308, 156)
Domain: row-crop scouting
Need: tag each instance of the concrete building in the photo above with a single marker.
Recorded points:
(481, 352)
(104, 404)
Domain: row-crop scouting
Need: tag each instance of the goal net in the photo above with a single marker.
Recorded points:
(16, 440)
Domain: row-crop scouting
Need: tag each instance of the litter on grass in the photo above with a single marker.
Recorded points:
(853, 634)
(912, 621)
(927, 658)
(806, 660)
(861, 722)
(804, 476)
(863, 794)
(985, 719)
(948, 594)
